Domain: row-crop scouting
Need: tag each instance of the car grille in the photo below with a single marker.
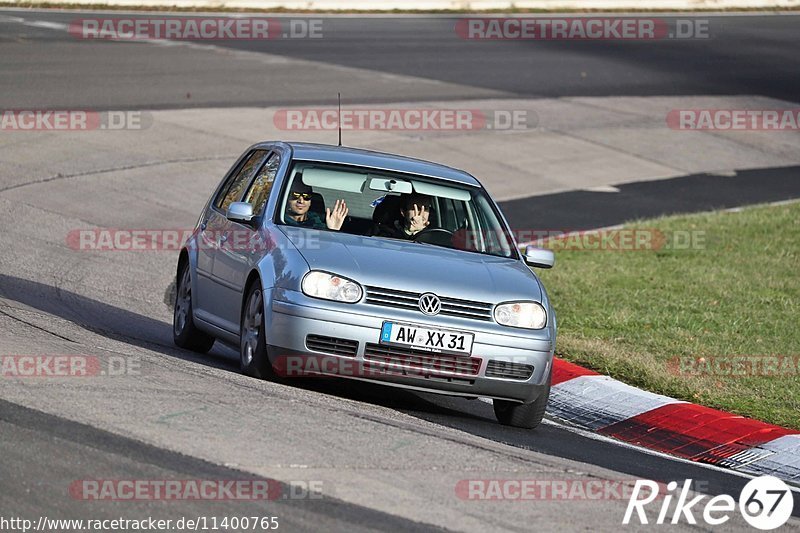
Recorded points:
(508, 370)
(332, 345)
(410, 300)
(418, 363)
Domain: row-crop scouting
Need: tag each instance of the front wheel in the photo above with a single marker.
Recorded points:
(184, 332)
(522, 415)
(253, 344)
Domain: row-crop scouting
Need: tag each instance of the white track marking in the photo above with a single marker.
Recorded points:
(595, 402)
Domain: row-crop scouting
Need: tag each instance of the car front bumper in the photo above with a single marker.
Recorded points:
(292, 317)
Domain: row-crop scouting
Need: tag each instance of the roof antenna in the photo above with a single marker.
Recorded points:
(339, 117)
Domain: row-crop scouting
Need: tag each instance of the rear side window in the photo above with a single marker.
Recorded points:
(262, 185)
(234, 187)
(454, 215)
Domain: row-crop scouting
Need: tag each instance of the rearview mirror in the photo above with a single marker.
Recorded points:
(240, 212)
(539, 257)
(390, 185)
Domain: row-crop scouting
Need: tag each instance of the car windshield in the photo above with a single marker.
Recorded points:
(381, 204)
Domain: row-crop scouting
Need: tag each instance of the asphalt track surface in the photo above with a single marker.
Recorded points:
(390, 458)
(583, 210)
(744, 55)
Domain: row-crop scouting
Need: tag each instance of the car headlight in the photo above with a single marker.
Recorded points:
(530, 315)
(331, 287)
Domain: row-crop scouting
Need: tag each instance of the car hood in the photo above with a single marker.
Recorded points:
(416, 267)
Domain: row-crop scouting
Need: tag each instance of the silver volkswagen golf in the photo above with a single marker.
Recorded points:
(325, 260)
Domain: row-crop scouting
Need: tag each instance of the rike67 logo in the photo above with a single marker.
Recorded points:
(765, 502)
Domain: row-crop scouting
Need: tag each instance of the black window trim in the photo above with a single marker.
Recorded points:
(271, 153)
(232, 177)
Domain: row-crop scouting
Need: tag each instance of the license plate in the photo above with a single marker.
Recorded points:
(427, 339)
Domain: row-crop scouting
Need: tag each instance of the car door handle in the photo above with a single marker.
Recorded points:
(223, 238)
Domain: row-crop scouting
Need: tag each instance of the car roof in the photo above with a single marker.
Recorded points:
(367, 158)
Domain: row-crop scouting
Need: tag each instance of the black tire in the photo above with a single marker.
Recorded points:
(184, 332)
(253, 358)
(522, 415)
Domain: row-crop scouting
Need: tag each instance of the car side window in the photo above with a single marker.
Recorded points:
(234, 187)
(259, 191)
(460, 213)
(454, 214)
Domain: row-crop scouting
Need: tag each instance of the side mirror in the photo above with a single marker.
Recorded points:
(240, 212)
(539, 257)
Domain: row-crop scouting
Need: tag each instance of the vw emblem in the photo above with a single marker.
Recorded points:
(430, 304)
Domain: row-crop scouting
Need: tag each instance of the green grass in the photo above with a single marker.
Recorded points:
(628, 314)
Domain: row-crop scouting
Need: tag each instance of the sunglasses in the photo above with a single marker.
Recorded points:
(303, 195)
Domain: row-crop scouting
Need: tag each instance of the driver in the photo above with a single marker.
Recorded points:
(415, 210)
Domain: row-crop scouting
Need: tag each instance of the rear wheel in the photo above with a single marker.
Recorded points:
(184, 332)
(253, 344)
(522, 415)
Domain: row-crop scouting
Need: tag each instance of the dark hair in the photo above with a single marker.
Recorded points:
(299, 186)
(416, 198)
